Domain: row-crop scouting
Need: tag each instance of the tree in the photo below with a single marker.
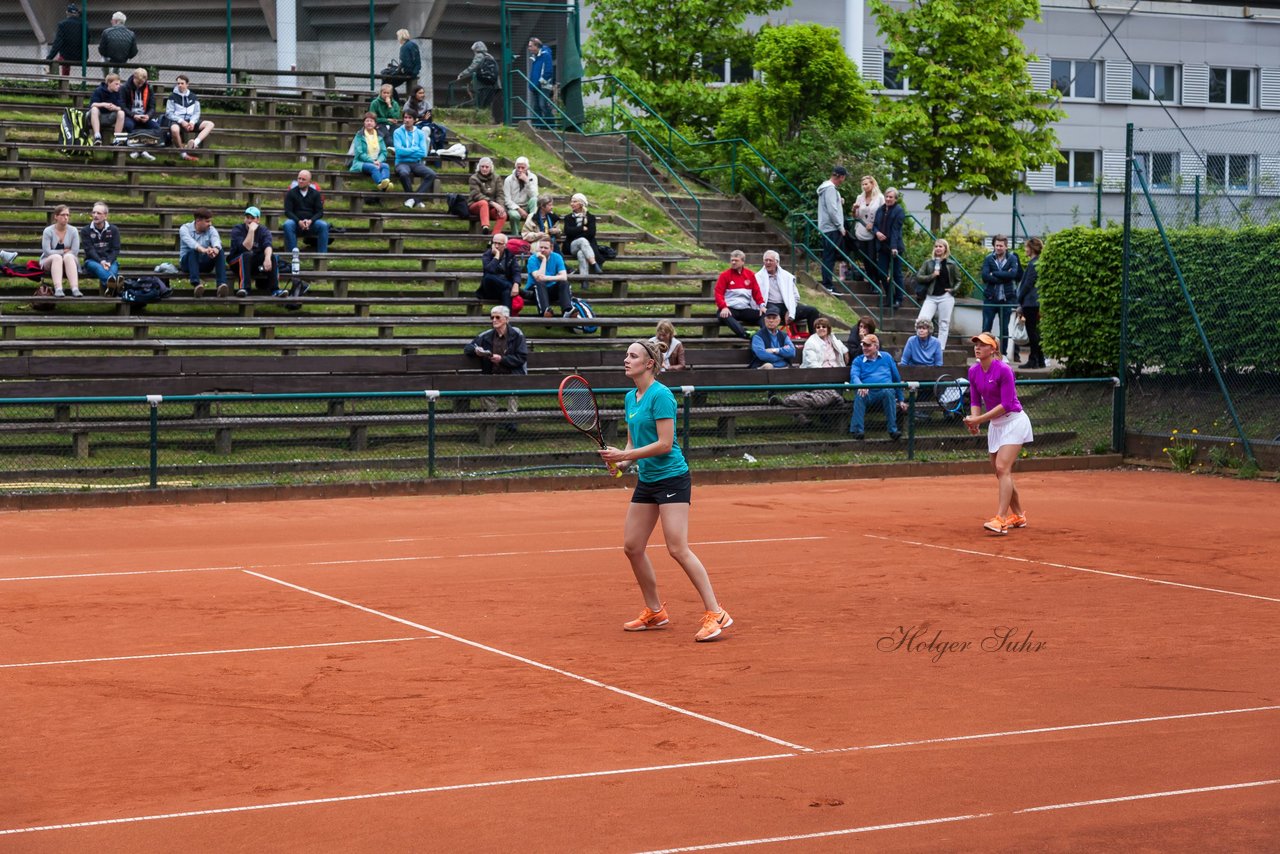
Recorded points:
(807, 78)
(972, 121)
(668, 50)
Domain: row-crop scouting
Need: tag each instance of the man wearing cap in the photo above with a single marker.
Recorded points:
(485, 91)
(831, 223)
(771, 347)
(874, 367)
(68, 40)
(250, 255)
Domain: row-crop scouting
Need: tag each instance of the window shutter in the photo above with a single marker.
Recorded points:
(1269, 174)
(1039, 71)
(1191, 166)
(1269, 89)
(1041, 179)
(1119, 85)
(1195, 85)
(873, 65)
(1113, 170)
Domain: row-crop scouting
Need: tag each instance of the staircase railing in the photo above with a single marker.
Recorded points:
(561, 119)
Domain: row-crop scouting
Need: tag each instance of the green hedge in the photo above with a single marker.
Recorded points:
(1231, 275)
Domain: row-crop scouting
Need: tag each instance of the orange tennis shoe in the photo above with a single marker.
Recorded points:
(647, 620)
(1015, 520)
(713, 623)
(997, 525)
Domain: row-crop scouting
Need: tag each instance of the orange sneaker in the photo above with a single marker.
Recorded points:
(1015, 520)
(997, 525)
(713, 623)
(647, 620)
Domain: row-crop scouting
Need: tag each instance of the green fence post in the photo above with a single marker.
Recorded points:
(84, 41)
(153, 400)
(686, 406)
(912, 389)
(432, 396)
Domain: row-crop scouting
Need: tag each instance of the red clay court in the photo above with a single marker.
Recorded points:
(449, 674)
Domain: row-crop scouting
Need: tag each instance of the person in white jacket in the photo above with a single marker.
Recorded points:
(778, 287)
(824, 350)
(521, 191)
(182, 113)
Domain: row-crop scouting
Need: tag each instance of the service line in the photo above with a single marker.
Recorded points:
(407, 558)
(645, 769)
(1074, 568)
(212, 652)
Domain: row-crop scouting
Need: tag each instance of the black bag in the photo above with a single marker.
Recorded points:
(487, 73)
(145, 289)
(145, 138)
(457, 204)
(606, 253)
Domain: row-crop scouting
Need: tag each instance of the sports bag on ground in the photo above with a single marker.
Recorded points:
(145, 289)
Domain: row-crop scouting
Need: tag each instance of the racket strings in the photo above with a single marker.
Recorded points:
(580, 406)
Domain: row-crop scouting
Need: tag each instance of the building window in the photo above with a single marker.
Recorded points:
(895, 79)
(1231, 86)
(1074, 78)
(1159, 169)
(1231, 172)
(1078, 169)
(1155, 83)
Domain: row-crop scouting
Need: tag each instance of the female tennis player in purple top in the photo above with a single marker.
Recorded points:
(664, 492)
(991, 388)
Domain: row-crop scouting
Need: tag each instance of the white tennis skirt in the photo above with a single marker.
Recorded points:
(1012, 428)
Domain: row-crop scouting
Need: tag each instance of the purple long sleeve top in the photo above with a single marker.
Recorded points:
(988, 389)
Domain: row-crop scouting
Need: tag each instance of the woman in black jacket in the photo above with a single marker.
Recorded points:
(1029, 303)
(580, 236)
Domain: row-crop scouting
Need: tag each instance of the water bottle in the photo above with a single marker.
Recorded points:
(296, 267)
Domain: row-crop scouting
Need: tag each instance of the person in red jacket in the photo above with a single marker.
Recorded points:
(738, 296)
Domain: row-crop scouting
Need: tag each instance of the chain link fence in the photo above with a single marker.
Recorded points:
(82, 444)
(1199, 340)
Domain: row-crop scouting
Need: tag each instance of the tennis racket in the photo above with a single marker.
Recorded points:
(578, 403)
(949, 394)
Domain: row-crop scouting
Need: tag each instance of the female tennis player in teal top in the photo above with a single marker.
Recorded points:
(664, 492)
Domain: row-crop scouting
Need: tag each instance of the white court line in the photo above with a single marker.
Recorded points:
(553, 778)
(742, 843)
(464, 556)
(1075, 568)
(549, 668)
(211, 652)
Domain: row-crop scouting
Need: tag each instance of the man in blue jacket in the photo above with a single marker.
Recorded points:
(1001, 273)
(875, 367)
(771, 347)
(889, 245)
(542, 86)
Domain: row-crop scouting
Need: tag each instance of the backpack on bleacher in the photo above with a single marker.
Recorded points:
(145, 138)
(145, 289)
(585, 313)
(487, 73)
(73, 130)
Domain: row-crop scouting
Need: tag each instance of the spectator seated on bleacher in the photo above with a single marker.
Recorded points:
(580, 236)
(304, 215)
(101, 241)
(778, 287)
(201, 252)
(873, 366)
(250, 256)
(923, 349)
(411, 147)
(542, 221)
(738, 297)
(59, 248)
(672, 350)
(549, 278)
(521, 191)
(500, 281)
(386, 110)
(107, 101)
(822, 349)
(485, 199)
(140, 103)
(369, 155)
(417, 104)
(182, 115)
(771, 347)
(866, 326)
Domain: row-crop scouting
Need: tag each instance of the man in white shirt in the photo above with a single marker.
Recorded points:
(779, 290)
